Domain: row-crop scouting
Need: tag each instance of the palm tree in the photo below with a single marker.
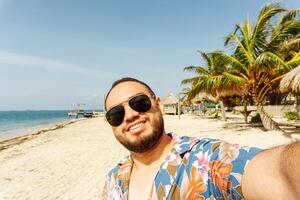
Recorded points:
(263, 53)
(214, 78)
(187, 100)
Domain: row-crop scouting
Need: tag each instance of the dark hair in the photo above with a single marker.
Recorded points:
(126, 79)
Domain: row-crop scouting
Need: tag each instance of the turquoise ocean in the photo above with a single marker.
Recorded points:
(16, 123)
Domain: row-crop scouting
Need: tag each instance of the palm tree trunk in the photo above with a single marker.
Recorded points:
(202, 107)
(296, 103)
(267, 121)
(223, 110)
(193, 109)
(245, 113)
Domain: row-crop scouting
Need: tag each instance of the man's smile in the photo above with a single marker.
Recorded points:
(136, 127)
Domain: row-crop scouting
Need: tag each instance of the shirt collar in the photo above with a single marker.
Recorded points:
(182, 144)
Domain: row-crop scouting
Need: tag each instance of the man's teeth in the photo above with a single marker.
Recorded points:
(136, 126)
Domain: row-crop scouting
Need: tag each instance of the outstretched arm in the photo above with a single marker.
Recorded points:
(273, 174)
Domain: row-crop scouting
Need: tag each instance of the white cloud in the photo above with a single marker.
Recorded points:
(29, 61)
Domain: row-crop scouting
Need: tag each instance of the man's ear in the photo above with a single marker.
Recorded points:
(160, 105)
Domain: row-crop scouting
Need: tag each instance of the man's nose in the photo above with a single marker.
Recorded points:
(130, 114)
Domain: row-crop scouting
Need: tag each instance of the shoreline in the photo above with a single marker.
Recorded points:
(36, 130)
(19, 123)
(18, 138)
(29, 128)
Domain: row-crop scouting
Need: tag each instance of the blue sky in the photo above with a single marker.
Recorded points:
(57, 53)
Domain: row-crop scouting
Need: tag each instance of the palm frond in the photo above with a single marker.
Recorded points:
(261, 28)
(293, 44)
(287, 32)
(205, 57)
(190, 80)
(270, 59)
(294, 62)
(200, 70)
(290, 15)
(222, 57)
(243, 51)
(244, 34)
(234, 79)
(228, 38)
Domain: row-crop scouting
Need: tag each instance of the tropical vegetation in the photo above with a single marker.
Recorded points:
(292, 116)
(262, 52)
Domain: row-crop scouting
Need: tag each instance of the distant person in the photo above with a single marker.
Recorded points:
(169, 166)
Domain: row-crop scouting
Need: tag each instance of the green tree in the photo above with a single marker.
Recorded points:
(263, 53)
(214, 78)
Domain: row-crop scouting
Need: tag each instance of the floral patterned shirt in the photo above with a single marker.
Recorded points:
(197, 169)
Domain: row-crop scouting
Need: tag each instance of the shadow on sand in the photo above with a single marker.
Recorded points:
(236, 124)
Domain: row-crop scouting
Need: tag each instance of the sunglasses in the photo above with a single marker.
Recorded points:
(139, 103)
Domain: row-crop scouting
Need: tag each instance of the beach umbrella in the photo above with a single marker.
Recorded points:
(291, 81)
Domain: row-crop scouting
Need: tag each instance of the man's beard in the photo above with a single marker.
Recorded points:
(145, 143)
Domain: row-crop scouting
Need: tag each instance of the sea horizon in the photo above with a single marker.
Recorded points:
(14, 123)
(89, 109)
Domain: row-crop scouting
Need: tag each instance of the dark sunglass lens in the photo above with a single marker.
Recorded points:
(140, 103)
(115, 115)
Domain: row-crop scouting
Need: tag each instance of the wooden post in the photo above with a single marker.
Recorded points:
(104, 104)
(178, 107)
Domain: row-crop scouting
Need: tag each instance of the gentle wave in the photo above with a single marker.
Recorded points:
(16, 123)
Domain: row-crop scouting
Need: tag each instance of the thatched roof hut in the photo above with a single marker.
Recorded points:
(234, 90)
(291, 81)
(170, 104)
(204, 96)
(170, 99)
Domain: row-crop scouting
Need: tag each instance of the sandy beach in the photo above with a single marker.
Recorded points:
(71, 160)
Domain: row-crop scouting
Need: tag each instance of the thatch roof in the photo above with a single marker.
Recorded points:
(170, 99)
(291, 81)
(232, 90)
(204, 96)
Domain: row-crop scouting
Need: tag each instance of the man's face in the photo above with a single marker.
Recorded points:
(139, 131)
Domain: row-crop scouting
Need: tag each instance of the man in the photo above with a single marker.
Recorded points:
(167, 166)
